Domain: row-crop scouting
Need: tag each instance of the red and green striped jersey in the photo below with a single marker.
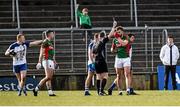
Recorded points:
(48, 53)
(122, 51)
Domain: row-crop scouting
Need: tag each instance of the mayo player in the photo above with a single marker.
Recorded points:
(114, 50)
(48, 61)
(39, 65)
(18, 52)
(122, 61)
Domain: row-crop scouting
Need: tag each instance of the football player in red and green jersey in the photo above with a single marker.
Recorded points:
(47, 58)
(129, 49)
(122, 60)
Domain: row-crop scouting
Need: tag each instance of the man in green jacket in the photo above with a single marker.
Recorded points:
(85, 21)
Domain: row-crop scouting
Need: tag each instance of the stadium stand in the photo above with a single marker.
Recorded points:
(44, 14)
(56, 14)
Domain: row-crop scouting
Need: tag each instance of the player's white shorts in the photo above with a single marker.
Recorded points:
(122, 62)
(50, 64)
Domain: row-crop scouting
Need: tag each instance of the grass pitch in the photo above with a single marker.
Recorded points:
(77, 98)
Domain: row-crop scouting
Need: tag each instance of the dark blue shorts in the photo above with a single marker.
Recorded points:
(19, 68)
(91, 68)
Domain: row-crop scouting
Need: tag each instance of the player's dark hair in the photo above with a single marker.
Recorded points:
(119, 28)
(48, 32)
(130, 35)
(102, 34)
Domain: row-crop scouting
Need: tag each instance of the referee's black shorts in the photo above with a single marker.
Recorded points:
(101, 66)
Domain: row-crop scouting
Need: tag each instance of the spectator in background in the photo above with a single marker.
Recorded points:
(85, 21)
(169, 56)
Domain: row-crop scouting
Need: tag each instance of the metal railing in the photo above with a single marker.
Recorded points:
(147, 37)
(164, 36)
(75, 12)
(72, 10)
(133, 4)
(17, 13)
(135, 13)
(13, 11)
(73, 4)
(15, 4)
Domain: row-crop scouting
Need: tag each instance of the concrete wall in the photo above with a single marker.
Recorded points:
(140, 82)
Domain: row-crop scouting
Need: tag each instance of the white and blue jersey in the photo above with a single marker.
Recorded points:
(91, 66)
(90, 47)
(19, 60)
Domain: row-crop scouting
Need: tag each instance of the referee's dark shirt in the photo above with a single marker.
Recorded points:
(100, 49)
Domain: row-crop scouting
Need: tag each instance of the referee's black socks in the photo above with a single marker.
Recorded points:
(103, 84)
(98, 84)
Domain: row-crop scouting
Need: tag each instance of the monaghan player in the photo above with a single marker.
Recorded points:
(18, 52)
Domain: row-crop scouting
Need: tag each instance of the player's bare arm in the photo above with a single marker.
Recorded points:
(10, 52)
(111, 34)
(7, 52)
(38, 66)
(35, 43)
(123, 42)
(90, 53)
(113, 48)
(41, 54)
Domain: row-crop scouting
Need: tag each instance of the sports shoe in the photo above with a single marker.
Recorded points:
(101, 94)
(109, 92)
(25, 93)
(35, 92)
(128, 92)
(120, 93)
(87, 93)
(132, 92)
(19, 93)
(52, 94)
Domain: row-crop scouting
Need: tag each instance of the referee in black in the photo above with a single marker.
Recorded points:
(100, 61)
(169, 56)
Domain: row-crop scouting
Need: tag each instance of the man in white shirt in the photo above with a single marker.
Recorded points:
(169, 56)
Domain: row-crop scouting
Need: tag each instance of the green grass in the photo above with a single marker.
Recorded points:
(77, 98)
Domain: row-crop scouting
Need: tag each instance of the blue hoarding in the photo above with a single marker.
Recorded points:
(161, 73)
(11, 83)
